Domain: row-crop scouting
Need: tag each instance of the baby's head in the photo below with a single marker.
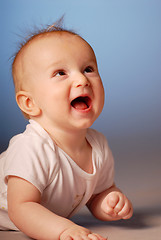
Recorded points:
(56, 78)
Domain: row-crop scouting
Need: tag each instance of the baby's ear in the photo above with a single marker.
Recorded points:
(27, 104)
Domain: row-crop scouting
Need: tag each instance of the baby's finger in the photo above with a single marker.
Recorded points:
(119, 206)
(129, 215)
(95, 236)
(108, 210)
(100, 237)
(125, 210)
(83, 237)
(113, 199)
(68, 238)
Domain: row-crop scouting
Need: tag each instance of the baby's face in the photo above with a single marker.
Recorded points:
(61, 74)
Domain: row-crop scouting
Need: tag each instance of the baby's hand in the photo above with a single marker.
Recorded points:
(77, 232)
(117, 206)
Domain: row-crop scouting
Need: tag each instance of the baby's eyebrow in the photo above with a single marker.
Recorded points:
(92, 61)
(55, 64)
(61, 64)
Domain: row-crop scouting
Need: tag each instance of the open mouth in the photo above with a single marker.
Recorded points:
(81, 103)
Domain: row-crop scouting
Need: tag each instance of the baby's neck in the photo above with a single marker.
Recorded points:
(74, 144)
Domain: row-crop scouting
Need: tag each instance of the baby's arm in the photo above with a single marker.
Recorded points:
(110, 205)
(36, 221)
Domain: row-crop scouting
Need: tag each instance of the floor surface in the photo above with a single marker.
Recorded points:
(144, 225)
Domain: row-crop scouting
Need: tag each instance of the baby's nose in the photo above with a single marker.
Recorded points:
(81, 81)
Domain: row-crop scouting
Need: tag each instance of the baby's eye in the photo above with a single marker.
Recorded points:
(88, 69)
(60, 73)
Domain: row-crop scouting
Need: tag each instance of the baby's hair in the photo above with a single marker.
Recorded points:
(37, 32)
(55, 27)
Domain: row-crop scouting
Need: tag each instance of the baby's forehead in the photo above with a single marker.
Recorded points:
(53, 37)
(43, 42)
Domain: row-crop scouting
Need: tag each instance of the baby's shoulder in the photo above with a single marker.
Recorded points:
(97, 136)
(97, 139)
(34, 138)
(31, 154)
(31, 147)
(28, 142)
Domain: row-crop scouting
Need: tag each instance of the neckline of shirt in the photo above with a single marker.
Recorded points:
(41, 131)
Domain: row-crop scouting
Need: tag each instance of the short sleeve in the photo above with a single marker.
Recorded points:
(106, 171)
(28, 158)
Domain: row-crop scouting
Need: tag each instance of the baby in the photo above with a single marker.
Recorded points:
(58, 164)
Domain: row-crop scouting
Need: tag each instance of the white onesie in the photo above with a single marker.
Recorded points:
(64, 186)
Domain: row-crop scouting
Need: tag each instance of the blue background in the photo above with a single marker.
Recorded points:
(126, 37)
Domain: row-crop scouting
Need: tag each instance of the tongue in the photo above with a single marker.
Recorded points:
(79, 105)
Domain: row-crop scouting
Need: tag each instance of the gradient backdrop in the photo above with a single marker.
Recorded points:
(126, 37)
